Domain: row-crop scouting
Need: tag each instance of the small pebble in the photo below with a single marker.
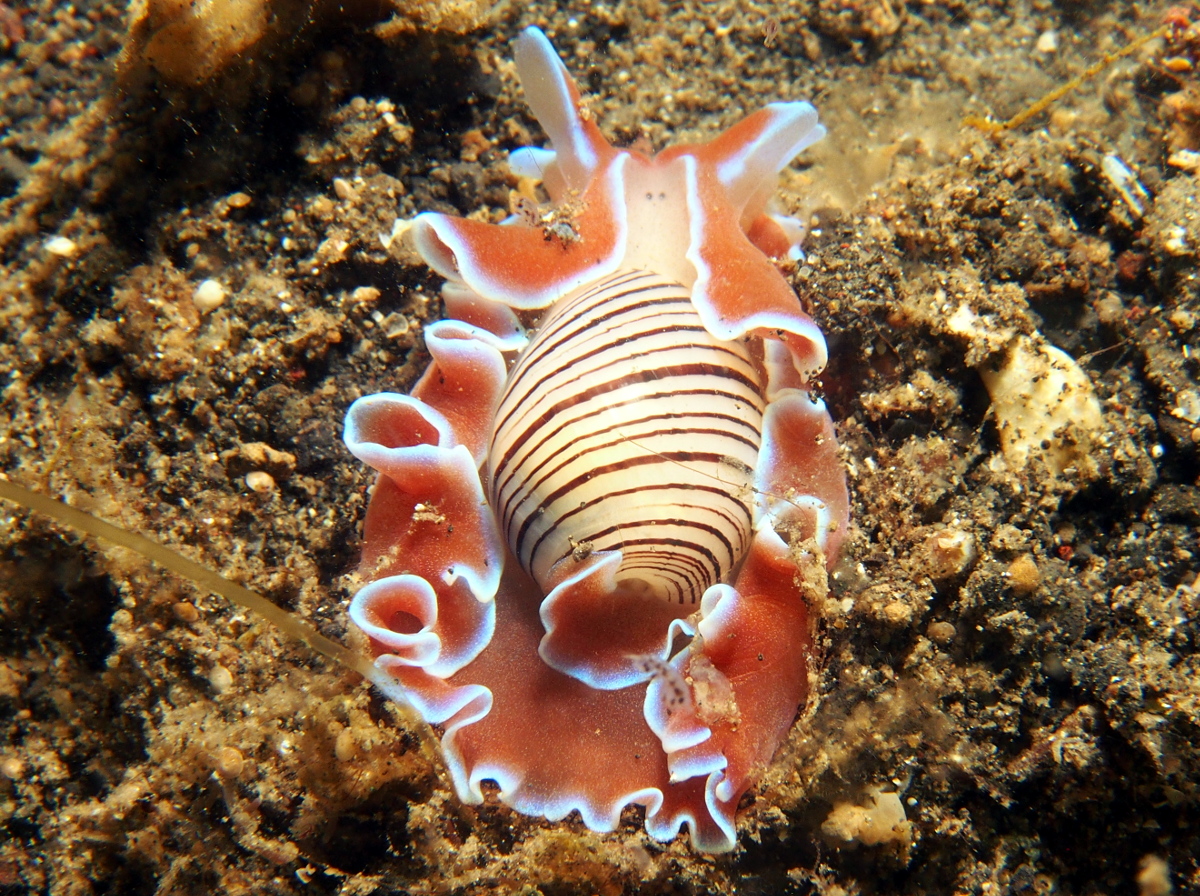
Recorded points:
(1055, 669)
(229, 762)
(12, 767)
(1023, 575)
(1185, 159)
(1154, 877)
(949, 553)
(61, 246)
(1187, 406)
(209, 295)
(345, 748)
(941, 633)
(239, 200)
(220, 679)
(344, 189)
(186, 612)
(260, 481)
(1047, 42)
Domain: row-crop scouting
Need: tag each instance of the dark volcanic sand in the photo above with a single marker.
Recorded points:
(1013, 650)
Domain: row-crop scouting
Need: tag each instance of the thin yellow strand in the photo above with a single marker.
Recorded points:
(202, 576)
(995, 127)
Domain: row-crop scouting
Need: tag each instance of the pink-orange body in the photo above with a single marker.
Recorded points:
(580, 546)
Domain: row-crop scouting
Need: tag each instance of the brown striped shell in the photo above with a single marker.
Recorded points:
(625, 425)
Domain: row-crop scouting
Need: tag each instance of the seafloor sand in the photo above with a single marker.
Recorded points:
(1013, 650)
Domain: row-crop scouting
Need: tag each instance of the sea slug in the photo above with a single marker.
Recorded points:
(584, 548)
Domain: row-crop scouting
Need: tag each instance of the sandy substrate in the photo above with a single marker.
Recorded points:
(1009, 690)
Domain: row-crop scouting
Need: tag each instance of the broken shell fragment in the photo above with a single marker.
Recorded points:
(1043, 402)
(1039, 394)
(883, 821)
(1126, 185)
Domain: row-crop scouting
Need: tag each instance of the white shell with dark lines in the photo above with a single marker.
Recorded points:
(625, 425)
